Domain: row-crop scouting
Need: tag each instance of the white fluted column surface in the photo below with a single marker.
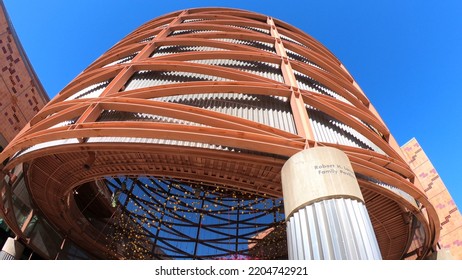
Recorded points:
(325, 211)
(12, 250)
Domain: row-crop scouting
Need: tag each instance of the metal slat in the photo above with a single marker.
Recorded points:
(157, 141)
(126, 59)
(362, 222)
(191, 31)
(269, 110)
(284, 37)
(295, 56)
(337, 229)
(308, 83)
(304, 235)
(396, 190)
(143, 79)
(356, 231)
(298, 235)
(330, 130)
(167, 50)
(313, 232)
(5, 256)
(256, 44)
(92, 91)
(47, 145)
(111, 115)
(344, 220)
(261, 30)
(145, 40)
(293, 238)
(262, 69)
(289, 239)
(323, 226)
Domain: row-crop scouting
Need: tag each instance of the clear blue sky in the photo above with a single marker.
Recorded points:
(405, 55)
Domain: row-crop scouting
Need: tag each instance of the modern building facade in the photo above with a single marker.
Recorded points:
(21, 93)
(450, 241)
(215, 133)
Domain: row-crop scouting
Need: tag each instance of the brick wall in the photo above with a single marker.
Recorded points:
(448, 213)
(21, 94)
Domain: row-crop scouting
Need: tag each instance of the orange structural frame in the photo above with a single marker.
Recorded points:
(249, 154)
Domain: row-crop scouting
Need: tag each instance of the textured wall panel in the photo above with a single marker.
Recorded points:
(92, 91)
(126, 59)
(144, 79)
(5, 256)
(334, 229)
(329, 130)
(269, 110)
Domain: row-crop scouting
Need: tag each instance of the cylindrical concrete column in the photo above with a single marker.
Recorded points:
(12, 250)
(325, 211)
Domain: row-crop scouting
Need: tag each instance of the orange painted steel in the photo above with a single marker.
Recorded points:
(257, 150)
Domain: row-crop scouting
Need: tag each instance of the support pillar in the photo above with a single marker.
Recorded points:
(325, 211)
(12, 250)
